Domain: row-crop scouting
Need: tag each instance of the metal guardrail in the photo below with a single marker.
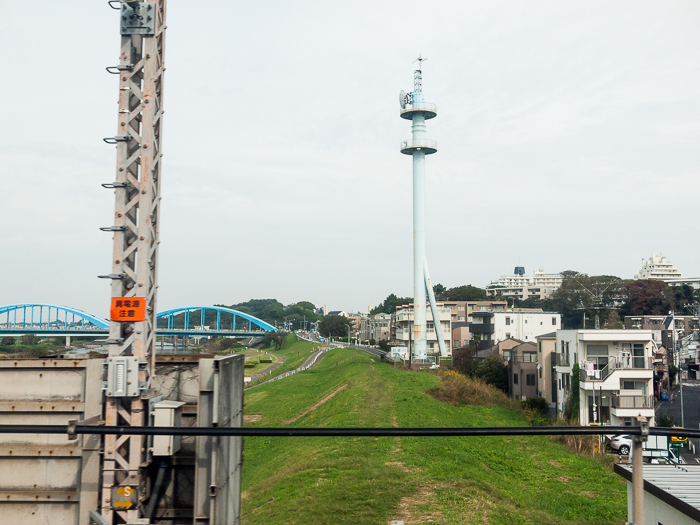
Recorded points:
(615, 364)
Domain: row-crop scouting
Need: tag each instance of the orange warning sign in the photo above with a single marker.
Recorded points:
(128, 309)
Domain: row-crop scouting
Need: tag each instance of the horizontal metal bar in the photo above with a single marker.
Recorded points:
(343, 432)
(120, 228)
(118, 138)
(113, 276)
(114, 70)
(116, 184)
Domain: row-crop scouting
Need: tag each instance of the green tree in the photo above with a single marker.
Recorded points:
(464, 293)
(683, 295)
(613, 321)
(580, 293)
(573, 404)
(439, 289)
(7, 341)
(493, 371)
(29, 339)
(306, 305)
(334, 325)
(390, 303)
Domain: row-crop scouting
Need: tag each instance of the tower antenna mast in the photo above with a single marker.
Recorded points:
(416, 109)
(132, 352)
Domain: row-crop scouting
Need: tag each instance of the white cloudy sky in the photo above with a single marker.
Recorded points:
(568, 138)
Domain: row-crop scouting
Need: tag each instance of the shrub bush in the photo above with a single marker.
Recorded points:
(457, 389)
(265, 359)
(250, 363)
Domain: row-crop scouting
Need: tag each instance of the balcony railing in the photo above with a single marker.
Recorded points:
(618, 401)
(483, 328)
(561, 360)
(427, 145)
(614, 364)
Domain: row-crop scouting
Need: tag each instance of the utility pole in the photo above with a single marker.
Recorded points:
(131, 360)
(680, 365)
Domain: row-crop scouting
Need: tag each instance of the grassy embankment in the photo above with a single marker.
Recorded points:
(295, 350)
(496, 480)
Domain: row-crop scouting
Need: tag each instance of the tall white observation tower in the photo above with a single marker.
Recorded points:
(415, 108)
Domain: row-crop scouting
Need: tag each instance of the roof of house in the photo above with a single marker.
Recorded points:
(529, 346)
(676, 485)
(550, 335)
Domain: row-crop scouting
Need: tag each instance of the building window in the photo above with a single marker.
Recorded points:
(540, 371)
(529, 357)
(456, 342)
(539, 346)
(506, 355)
(507, 321)
(530, 379)
(515, 379)
(554, 321)
(465, 342)
(507, 335)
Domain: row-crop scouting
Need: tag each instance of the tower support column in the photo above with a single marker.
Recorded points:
(419, 304)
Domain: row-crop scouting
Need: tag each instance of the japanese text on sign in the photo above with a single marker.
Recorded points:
(128, 309)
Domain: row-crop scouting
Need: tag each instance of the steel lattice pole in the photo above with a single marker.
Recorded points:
(135, 252)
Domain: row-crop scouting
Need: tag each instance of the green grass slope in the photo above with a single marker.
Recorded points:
(295, 350)
(495, 480)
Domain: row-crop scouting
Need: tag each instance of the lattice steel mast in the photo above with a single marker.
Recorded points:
(131, 362)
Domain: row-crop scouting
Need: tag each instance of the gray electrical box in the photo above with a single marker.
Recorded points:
(167, 414)
(122, 377)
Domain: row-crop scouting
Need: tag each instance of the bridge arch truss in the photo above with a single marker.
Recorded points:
(200, 322)
(48, 316)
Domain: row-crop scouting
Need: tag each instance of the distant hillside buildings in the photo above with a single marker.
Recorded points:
(521, 286)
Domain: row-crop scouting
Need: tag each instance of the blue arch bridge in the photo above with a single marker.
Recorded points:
(191, 321)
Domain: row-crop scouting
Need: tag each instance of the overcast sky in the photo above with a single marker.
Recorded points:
(568, 138)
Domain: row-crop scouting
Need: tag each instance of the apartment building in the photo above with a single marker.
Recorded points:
(460, 310)
(615, 374)
(658, 268)
(546, 368)
(375, 327)
(402, 333)
(684, 323)
(520, 286)
(523, 324)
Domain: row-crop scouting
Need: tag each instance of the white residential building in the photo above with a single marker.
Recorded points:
(403, 318)
(524, 325)
(616, 374)
(520, 286)
(658, 268)
(375, 327)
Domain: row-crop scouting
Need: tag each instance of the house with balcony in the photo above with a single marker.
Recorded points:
(402, 329)
(615, 374)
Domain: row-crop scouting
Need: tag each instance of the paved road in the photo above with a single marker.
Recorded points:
(691, 405)
(691, 408)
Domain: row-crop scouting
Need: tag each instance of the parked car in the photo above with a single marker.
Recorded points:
(622, 443)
